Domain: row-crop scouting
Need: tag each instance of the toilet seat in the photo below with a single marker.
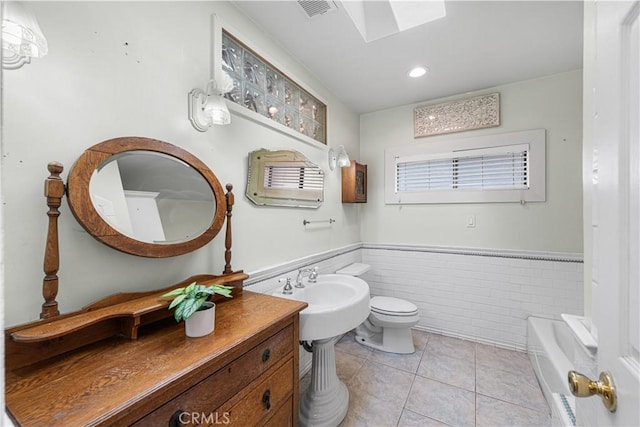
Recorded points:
(390, 306)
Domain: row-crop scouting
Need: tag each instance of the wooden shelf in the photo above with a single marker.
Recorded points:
(118, 315)
(128, 312)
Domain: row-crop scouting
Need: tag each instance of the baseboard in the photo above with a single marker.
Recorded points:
(451, 334)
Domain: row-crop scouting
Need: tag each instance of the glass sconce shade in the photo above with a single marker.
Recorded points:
(216, 111)
(208, 108)
(22, 37)
(343, 158)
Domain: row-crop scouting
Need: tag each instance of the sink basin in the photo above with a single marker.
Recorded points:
(337, 304)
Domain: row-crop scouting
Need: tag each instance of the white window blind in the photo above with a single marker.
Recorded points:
(293, 177)
(503, 167)
(292, 180)
(507, 167)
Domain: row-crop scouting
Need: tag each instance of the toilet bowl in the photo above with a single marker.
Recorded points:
(388, 327)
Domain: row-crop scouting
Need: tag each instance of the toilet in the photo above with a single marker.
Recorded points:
(388, 327)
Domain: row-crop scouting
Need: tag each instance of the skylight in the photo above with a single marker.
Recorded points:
(377, 19)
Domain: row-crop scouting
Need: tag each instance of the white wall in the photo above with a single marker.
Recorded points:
(553, 103)
(124, 69)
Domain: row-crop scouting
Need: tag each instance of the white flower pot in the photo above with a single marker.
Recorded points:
(202, 322)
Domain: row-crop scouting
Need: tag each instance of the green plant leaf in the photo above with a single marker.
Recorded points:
(191, 298)
(222, 290)
(201, 301)
(177, 291)
(178, 312)
(191, 288)
(190, 307)
(177, 300)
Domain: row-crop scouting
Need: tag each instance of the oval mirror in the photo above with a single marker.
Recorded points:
(146, 197)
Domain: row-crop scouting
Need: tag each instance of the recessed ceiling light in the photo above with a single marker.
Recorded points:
(418, 72)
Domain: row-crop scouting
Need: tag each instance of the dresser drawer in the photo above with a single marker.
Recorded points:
(222, 385)
(262, 400)
(283, 416)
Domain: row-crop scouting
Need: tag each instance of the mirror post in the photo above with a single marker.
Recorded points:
(53, 191)
(227, 241)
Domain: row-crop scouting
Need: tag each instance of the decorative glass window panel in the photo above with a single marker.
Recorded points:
(455, 116)
(264, 89)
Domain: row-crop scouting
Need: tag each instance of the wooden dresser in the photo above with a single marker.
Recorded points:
(244, 374)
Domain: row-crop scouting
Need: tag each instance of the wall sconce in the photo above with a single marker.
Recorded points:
(22, 37)
(208, 108)
(341, 158)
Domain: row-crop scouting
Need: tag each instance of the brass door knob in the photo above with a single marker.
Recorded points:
(581, 386)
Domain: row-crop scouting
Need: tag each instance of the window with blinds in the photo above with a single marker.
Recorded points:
(497, 168)
(494, 168)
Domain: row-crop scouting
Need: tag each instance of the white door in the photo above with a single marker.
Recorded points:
(144, 215)
(616, 232)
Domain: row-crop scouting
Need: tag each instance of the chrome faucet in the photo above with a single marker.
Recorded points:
(288, 289)
(312, 273)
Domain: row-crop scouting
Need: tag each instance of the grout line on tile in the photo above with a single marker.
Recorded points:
(514, 404)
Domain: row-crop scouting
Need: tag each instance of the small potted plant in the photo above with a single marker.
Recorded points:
(191, 305)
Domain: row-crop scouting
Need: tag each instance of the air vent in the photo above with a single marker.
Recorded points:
(315, 8)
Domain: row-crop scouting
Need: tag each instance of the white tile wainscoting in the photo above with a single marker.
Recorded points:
(474, 294)
(479, 295)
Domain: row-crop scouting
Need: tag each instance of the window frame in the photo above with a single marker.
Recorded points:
(450, 148)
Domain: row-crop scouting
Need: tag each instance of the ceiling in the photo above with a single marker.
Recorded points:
(477, 45)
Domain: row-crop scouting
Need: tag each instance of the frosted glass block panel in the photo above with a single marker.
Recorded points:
(318, 131)
(261, 87)
(254, 70)
(306, 126)
(275, 110)
(231, 56)
(291, 94)
(305, 104)
(254, 99)
(235, 94)
(275, 84)
(291, 117)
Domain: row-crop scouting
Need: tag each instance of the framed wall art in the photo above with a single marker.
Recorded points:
(456, 116)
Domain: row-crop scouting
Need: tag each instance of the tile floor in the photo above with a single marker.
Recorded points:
(446, 382)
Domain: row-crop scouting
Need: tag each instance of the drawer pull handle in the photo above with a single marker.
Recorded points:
(266, 399)
(175, 421)
(266, 355)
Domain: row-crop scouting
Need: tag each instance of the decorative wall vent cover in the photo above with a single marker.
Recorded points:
(315, 8)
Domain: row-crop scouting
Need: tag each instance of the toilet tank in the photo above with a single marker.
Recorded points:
(355, 269)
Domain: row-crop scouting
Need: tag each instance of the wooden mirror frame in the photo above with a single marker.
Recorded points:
(85, 213)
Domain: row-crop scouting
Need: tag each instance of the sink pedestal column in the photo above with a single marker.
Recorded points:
(326, 401)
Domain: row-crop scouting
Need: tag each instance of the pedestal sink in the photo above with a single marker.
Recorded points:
(336, 304)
